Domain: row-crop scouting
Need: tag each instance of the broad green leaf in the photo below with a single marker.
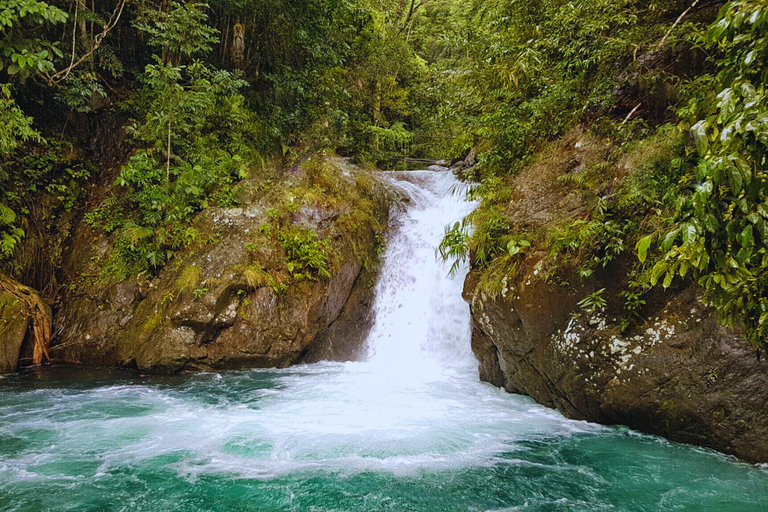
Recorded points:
(743, 256)
(668, 279)
(689, 234)
(658, 270)
(669, 239)
(746, 236)
(699, 131)
(642, 247)
(727, 104)
(734, 177)
(710, 222)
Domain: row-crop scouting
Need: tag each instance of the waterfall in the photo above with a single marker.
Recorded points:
(422, 324)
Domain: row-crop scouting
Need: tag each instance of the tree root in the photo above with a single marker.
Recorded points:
(39, 314)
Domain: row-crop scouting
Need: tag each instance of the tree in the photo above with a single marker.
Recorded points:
(195, 135)
(22, 50)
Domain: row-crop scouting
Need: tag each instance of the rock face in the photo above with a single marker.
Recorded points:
(674, 372)
(344, 339)
(14, 321)
(681, 375)
(205, 311)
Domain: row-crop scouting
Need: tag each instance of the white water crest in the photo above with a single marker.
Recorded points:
(422, 324)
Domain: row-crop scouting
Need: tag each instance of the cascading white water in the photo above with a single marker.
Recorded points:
(411, 428)
(422, 324)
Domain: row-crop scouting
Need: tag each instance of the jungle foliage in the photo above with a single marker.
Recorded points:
(695, 209)
(528, 72)
(720, 231)
(207, 91)
(200, 115)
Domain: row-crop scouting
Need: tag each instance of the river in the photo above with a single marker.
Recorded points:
(409, 429)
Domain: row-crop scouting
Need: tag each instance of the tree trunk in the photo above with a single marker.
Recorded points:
(377, 105)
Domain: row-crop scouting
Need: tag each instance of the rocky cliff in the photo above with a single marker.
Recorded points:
(680, 375)
(240, 295)
(673, 371)
(14, 322)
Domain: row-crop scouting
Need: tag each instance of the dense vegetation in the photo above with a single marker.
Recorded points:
(694, 207)
(208, 93)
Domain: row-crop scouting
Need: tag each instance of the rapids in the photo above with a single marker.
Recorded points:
(410, 429)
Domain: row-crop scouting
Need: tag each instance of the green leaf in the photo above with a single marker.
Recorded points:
(710, 222)
(734, 177)
(642, 247)
(666, 245)
(668, 279)
(689, 234)
(743, 255)
(746, 237)
(684, 266)
(699, 132)
(657, 271)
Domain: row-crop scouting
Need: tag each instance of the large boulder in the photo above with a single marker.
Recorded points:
(678, 374)
(231, 301)
(672, 370)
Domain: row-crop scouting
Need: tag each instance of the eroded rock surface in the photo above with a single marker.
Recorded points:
(223, 319)
(680, 375)
(674, 372)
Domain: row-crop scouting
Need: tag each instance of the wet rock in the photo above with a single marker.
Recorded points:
(674, 371)
(471, 158)
(200, 312)
(14, 321)
(680, 375)
(344, 339)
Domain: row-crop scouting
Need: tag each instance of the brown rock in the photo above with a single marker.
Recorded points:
(223, 321)
(14, 321)
(681, 375)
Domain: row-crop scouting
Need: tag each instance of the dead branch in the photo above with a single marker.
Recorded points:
(679, 18)
(630, 114)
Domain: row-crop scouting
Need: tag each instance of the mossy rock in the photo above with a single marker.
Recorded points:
(14, 321)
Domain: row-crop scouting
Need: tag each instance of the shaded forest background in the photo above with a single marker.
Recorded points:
(135, 115)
